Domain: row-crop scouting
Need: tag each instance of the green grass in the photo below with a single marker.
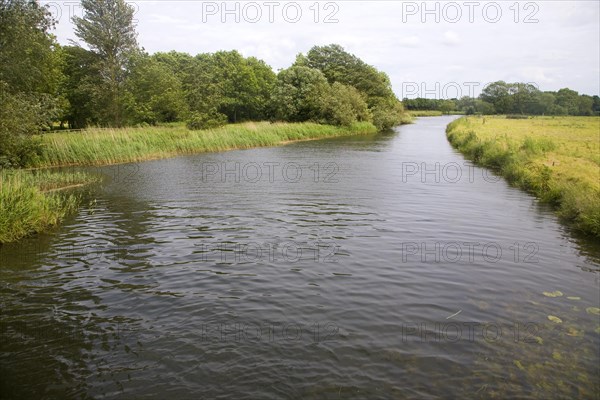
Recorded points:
(425, 113)
(31, 201)
(113, 146)
(555, 158)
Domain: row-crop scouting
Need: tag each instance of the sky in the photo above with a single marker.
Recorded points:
(434, 49)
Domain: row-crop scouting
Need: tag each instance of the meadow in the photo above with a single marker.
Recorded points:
(555, 158)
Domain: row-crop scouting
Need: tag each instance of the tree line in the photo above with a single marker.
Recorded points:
(114, 82)
(516, 99)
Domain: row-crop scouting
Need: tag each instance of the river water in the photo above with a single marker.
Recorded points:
(382, 266)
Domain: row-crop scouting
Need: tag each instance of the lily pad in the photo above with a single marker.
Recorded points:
(556, 293)
(593, 310)
(571, 331)
(573, 297)
(555, 319)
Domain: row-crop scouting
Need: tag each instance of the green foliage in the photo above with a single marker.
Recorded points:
(345, 106)
(212, 119)
(28, 63)
(339, 66)
(300, 94)
(236, 86)
(387, 113)
(155, 93)
(80, 88)
(515, 99)
(29, 79)
(107, 28)
(31, 202)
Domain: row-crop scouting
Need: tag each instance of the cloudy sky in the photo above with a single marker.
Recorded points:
(432, 49)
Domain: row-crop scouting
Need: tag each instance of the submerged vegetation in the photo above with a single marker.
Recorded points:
(33, 201)
(555, 158)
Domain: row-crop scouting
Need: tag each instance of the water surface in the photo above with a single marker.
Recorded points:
(382, 266)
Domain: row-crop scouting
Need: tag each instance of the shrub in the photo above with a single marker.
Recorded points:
(213, 119)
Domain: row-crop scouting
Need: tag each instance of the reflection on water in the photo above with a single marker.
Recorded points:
(382, 266)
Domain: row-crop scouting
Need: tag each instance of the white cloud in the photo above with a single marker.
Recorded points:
(451, 38)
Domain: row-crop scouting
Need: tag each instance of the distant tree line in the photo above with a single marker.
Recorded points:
(514, 98)
(113, 82)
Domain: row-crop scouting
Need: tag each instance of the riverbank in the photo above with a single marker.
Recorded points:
(114, 146)
(34, 201)
(555, 158)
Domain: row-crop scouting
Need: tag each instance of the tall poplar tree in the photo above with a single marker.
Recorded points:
(108, 29)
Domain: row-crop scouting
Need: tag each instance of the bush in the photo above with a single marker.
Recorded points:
(345, 106)
(213, 119)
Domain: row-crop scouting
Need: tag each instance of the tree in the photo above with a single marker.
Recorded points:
(345, 106)
(569, 100)
(29, 78)
(585, 105)
(155, 93)
(524, 97)
(300, 94)
(107, 28)
(337, 65)
(447, 106)
(82, 81)
(499, 95)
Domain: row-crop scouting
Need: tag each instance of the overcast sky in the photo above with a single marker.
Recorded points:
(553, 44)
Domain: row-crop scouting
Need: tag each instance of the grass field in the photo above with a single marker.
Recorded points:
(112, 146)
(31, 201)
(555, 158)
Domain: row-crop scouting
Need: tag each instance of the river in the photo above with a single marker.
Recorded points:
(382, 266)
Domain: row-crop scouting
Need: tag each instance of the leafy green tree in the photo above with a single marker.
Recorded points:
(585, 105)
(345, 106)
(235, 86)
(596, 105)
(484, 108)
(524, 97)
(155, 93)
(499, 95)
(82, 81)
(300, 94)
(569, 100)
(30, 75)
(387, 113)
(107, 28)
(447, 106)
(337, 65)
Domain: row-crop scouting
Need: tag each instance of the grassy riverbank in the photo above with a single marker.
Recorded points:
(113, 146)
(555, 158)
(425, 113)
(33, 201)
